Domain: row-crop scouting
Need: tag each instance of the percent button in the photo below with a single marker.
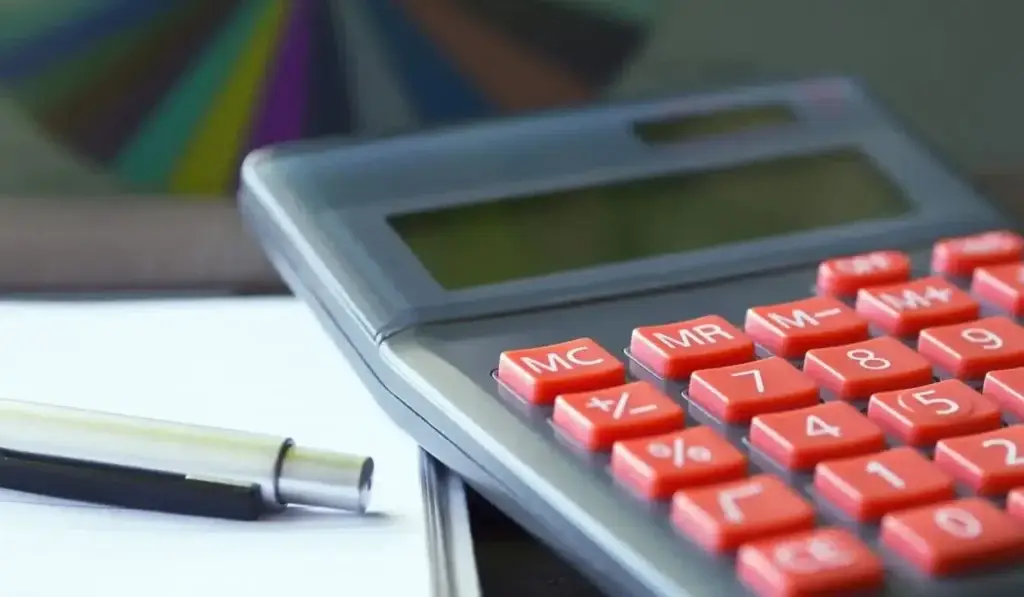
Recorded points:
(656, 467)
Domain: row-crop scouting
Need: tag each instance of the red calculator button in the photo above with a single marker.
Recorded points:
(1001, 286)
(800, 439)
(961, 256)
(989, 463)
(1015, 503)
(906, 309)
(539, 374)
(600, 418)
(954, 537)
(791, 329)
(861, 369)
(658, 466)
(923, 415)
(738, 393)
(1006, 388)
(970, 350)
(722, 517)
(866, 488)
(675, 350)
(846, 275)
(808, 564)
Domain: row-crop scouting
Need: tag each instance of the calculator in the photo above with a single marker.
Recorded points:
(760, 341)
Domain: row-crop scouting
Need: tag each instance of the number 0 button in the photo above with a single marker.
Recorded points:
(922, 416)
(970, 350)
(989, 463)
(954, 537)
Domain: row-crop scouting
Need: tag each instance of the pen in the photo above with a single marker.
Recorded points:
(149, 464)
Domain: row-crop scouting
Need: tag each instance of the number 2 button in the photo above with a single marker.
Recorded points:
(922, 416)
(970, 350)
(989, 463)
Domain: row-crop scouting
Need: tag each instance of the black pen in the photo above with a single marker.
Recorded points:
(170, 467)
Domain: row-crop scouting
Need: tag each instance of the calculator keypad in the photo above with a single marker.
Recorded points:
(871, 424)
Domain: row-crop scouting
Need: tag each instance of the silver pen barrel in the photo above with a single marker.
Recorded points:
(286, 473)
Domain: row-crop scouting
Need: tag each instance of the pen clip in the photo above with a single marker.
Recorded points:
(125, 487)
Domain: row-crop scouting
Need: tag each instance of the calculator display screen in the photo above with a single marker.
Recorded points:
(522, 237)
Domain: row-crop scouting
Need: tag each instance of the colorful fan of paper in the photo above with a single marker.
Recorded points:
(170, 95)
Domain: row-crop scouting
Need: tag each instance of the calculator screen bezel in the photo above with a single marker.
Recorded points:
(354, 242)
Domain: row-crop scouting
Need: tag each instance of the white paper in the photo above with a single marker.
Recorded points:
(254, 364)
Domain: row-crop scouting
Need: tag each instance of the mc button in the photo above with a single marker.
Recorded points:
(539, 374)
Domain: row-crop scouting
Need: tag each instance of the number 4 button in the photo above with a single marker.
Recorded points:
(800, 439)
(970, 350)
(989, 463)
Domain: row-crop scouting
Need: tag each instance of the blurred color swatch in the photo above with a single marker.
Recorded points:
(170, 95)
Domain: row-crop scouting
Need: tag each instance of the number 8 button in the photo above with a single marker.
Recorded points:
(970, 350)
(859, 370)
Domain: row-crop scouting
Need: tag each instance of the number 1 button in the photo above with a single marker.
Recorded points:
(722, 517)
(989, 463)
(922, 416)
(866, 488)
(800, 439)
(970, 350)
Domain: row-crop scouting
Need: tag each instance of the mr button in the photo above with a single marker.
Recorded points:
(539, 374)
(675, 350)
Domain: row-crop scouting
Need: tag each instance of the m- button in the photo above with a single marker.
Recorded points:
(539, 374)
(791, 329)
(906, 309)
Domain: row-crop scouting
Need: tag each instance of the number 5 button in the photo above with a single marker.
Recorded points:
(970, 350)
(989, 463)
(922, 416)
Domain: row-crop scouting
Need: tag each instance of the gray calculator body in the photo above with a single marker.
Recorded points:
(321, 210)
